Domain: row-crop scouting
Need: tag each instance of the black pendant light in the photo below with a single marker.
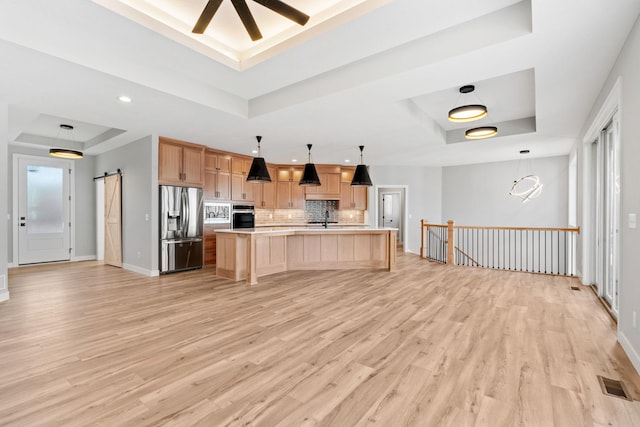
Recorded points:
(65, 153)
(309, 175)
(361, 176)
(258, 171)
(470, 112)
(481, 132)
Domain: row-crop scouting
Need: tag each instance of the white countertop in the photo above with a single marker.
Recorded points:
(304, 230)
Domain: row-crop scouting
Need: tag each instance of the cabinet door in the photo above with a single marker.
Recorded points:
(224, 163)
(210, 161)
(193, 166)
(283, 199)
(169, 163)
(297, 195)
(346, 200)
(237, 182)
(269, 191)
(332, 184)
(210, 190)
(210, 249)
(359, 198)
(224, 185)
(248, 188)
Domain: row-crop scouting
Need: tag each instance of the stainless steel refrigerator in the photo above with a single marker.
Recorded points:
(181, 246)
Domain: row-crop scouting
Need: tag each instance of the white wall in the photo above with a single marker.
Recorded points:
(479, 194)
(4, 192)
(627, 67)
(423, 195)
(139, 201)
(85, 212)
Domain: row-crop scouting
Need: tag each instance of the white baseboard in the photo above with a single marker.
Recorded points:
(632, 354)
(11, 265)
(140, 270)
(4, 296)
(84, 258)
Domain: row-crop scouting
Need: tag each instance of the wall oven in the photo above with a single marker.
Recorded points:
(243, 216)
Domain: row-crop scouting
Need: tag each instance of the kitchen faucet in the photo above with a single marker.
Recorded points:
(325, 224)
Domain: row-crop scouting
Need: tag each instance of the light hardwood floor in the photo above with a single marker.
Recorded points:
(426, 345)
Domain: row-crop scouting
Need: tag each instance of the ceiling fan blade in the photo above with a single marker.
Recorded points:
(206, 16)
(285, 10)
(247, 19)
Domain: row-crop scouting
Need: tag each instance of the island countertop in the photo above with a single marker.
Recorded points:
(248, 253)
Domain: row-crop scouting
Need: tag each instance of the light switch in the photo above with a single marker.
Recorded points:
(632, 221)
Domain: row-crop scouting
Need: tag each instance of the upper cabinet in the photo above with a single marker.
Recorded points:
(217, 175)
(180, 163)
(330, 184)
(241, 190)
(264, 193)
(351, 197)
(289, 194)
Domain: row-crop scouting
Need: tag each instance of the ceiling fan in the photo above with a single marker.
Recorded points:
(246, 17)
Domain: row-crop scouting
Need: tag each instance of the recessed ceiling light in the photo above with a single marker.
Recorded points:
(124, 98)
(294, 160)
(254, 151)
(347, 161)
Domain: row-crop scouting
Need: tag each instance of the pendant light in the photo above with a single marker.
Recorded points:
(361, 176)
(528, 186)
(470, 112)
(481, 132)
(258, 171)
(64, 153)
(309, 174)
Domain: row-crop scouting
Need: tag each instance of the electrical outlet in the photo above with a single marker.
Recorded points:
(270, 216)
(139, 255)
(146, 217)
(635, 324)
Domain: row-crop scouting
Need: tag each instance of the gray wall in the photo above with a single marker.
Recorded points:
(4, 191)
(85, 206)
(628, 68)
(139, 199)
(424, 195)
(479, 194)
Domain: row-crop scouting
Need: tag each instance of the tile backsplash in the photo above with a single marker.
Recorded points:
(314, 211)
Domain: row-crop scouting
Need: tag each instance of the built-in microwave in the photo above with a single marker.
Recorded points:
(217, 213)
(243, 216)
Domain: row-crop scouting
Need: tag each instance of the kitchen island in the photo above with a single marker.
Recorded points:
(246, 254)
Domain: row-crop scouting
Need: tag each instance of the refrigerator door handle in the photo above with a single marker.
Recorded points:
(185, 211)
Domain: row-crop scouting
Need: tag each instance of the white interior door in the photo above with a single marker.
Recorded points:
(391, 212)
(43, 210)
(100, 219)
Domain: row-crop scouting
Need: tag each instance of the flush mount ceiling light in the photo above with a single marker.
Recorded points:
(65, 153)
(246, 17)
(468, 112)
(309, 174)
(258, 171)
(124, 98)
(361, 175)
(481, 132)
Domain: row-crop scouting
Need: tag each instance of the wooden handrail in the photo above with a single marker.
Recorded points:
(568, 229)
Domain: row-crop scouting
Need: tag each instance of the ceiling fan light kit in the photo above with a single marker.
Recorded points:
(361, 175)
(309, 174)
(246, 16)
(258, 171)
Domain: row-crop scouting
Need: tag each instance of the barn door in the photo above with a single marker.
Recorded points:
(112, 220)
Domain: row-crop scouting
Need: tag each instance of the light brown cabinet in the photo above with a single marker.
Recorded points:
(217, 176)
(241, 190)
(289, 194)
(180, 163)
(351, 197)
(210, 248)
(329, 188)
(264, 194)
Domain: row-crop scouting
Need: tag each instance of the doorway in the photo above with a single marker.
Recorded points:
(42, 206)
(391, 210)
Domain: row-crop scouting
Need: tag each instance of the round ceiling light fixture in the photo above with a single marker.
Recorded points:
(469, 112)
(481, 132)
(65, 153)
